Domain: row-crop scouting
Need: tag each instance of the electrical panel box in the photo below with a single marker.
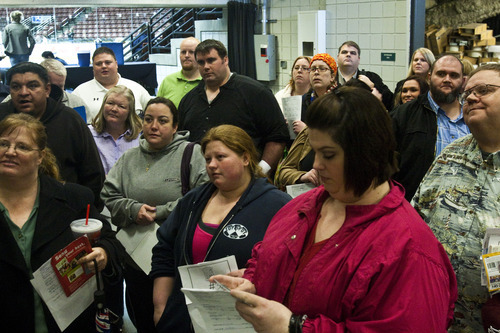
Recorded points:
(265, 57)
(311, 32)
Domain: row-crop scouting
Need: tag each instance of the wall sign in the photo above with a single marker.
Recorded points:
(388, 56)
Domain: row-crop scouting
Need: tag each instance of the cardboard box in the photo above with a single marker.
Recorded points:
(455, 48)
(428, 34)
(472, 60)
(472, 29)
(484, 42)
(483, 35)
(457, 54)
(487, 60)
(439, 40)
(458, 40)
(474, 54)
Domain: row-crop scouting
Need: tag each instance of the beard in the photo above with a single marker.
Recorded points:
(446, 98)
(187, 66)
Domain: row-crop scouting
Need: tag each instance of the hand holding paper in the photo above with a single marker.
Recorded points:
(264, 315)
(234, 283)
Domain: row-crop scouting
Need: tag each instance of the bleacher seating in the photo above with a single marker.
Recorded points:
(106, 23)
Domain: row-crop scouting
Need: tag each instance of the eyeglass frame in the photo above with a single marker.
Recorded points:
(19, 150)
(319, 69)
(304, 68)
(462, 99)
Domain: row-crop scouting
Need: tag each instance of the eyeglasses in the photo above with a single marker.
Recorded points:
(319, 69)
(304, 68)
(479, 91)
(19, 148)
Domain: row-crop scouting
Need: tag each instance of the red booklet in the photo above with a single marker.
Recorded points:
(70, 274)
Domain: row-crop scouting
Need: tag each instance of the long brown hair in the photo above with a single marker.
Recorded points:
(37, 132)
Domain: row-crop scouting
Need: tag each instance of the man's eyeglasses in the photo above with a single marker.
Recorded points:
(19, 148)
(304, 68)
(320, 69)
(480, 90)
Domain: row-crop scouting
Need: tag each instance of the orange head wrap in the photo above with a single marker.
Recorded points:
(327, 59)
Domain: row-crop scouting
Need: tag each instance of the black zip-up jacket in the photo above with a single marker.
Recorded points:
(241, 229)
(415, 127)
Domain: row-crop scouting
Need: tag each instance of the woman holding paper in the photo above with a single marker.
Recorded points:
(299, 83)
(297, 167)
(36, 209)
(224, 217)
(144, 186)
(351, 255)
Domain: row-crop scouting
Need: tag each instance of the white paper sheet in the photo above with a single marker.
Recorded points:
(216, 308)
(211, 311)
(196, 276)
(292, 110)
(64, 309)
(297, 189)
(139, 241)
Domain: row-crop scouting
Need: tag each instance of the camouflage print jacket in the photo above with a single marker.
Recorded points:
(459, 198)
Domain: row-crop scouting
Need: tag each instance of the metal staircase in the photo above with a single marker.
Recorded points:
(155, 36)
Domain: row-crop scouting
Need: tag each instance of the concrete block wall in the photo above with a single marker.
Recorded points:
(377, 26)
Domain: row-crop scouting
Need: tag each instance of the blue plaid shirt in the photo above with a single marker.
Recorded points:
(448, 130)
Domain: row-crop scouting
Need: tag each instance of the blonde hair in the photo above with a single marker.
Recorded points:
(16, 16)
(238, 141)
(428, 55)
(36, 130)
(133, 122)
(54, 66)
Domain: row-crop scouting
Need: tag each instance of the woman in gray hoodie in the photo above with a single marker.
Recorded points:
(144, 186)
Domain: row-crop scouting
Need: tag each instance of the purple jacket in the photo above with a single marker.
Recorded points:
(382, 271)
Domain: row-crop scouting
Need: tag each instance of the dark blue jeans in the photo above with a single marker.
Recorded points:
(17, 58)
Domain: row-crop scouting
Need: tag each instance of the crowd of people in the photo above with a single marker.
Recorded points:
(210, 156)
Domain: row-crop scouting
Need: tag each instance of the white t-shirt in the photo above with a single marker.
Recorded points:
(92, 92)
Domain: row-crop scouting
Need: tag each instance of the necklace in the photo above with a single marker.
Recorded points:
(149, 161)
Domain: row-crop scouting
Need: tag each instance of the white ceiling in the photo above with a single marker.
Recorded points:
(114, 3)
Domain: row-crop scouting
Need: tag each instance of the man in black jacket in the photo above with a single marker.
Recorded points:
(68, 136)
(229, 98)
(348, 61)
(423, 127)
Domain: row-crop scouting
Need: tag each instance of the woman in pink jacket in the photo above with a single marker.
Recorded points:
(351, 255)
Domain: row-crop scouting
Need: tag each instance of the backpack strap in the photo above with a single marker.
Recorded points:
(185, 169)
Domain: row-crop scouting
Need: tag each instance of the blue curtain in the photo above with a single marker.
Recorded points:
(241, 23)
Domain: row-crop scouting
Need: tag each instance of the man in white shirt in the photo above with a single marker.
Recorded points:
(106, 76)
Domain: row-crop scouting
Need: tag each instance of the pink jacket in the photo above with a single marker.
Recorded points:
(383, 271)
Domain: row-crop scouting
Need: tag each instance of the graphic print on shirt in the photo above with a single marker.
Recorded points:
(235, 231)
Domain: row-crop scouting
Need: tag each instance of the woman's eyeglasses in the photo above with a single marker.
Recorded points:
(480, 90)
(320, 69)
(304, 68)
(19, 148)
